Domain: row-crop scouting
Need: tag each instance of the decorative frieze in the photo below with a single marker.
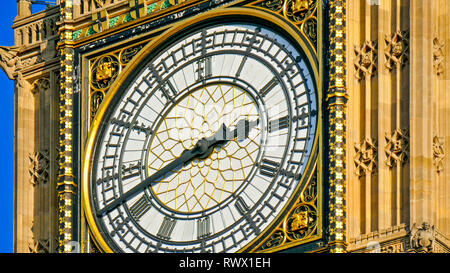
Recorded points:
(366, 60)
(366, 157)
(397, 50)
(397, 148)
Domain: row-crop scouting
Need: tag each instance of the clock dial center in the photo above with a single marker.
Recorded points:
(209, 179)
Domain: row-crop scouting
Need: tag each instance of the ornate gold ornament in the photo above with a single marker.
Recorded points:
(298, 6)
(104, 70)
(397, 148)
(300, 224)
(302, 13)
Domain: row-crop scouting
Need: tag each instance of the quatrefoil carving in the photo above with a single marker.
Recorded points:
(397, 147)
(366, 157)
(366, 60)
(397, 49)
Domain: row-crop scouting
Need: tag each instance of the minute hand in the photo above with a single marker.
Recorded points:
(202, 149)
(185, 157)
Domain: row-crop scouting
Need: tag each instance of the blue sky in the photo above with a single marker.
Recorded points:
(7, 14)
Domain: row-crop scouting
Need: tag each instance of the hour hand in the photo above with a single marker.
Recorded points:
(224, 134)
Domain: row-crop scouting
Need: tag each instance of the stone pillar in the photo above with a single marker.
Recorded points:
(24, 147)
(421, 182)
(23, 9)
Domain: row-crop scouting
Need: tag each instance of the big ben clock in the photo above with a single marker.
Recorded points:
(204, 143)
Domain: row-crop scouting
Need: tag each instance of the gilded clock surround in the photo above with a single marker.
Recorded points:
(301, 209)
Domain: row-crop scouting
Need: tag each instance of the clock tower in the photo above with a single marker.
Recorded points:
(231, 126)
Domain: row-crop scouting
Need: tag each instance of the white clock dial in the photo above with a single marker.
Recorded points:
(163, 180)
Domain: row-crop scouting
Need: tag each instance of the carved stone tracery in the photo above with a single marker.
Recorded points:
(366, 60)
(366, 157)
(397, 50)
(39, 246)
(39, 167)
(40, 85)
(9, 60)
(397, 148)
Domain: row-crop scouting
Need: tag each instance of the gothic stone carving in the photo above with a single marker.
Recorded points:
(423, 237)
(397, 49)
(438, 56)
(39, 167)
(366, 157)
(397, 148)
(39, 246)
(40, 85)
(366, 60)
(438, 154)
(9, 60)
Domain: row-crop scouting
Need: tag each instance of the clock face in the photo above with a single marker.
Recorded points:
(206, 145)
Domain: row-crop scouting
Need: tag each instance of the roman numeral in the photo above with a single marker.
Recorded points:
(134, 126)
(166, 228)
(139, 208)
(241, 206)
(204, 68)
(131, 171)
(268, 87)
(268, 167)
(241, 66)
(203, 228)
(279, 124)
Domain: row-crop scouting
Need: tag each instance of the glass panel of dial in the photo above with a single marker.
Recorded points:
(218, 75)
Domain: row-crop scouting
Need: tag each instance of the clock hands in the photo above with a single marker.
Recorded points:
(202, 149)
